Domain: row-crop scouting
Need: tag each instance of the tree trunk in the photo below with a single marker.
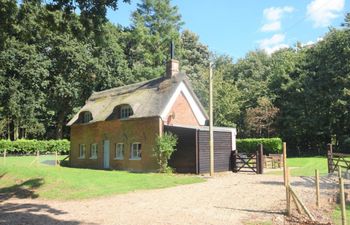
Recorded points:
(60, 124)
(8, 129)
(15, 130)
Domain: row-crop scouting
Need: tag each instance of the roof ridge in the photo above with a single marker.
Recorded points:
(125, 86)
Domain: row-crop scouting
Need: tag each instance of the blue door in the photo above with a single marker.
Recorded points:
(106, 154)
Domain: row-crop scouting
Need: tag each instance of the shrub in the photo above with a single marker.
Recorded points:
(23, 146)
(250, 145)
(164, 149)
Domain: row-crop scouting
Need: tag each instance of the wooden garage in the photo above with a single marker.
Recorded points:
(192, 154)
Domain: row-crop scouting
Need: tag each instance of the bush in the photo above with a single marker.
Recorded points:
(164, 149)
(23, 146)
(250, 145)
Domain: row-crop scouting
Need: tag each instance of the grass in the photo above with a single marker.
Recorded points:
(305, 166)
(18, 178)
(337, 214)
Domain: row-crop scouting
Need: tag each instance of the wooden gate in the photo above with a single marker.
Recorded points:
(243, 162)
(336, 160)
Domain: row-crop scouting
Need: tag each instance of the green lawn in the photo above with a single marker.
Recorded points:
(18, 178)
(305, 166)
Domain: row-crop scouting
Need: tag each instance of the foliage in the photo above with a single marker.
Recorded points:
(271, 145)
(261, 118)
(23, 146)
(64, 183)
(52, 59)
(164, 148)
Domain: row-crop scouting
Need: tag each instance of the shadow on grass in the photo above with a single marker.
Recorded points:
(13, 213)
(25, 189)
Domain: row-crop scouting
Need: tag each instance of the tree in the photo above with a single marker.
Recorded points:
(23, 71)
(259, 120)
(165, 147)
(92, 13)
(194, 55)
(155, 24)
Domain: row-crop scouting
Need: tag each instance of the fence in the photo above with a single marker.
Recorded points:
(36, 159)
(248, 162)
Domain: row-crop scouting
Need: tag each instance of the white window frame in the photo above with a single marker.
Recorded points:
(87, 117)
(82, 151)
(125, 111)
(138, 150)
(93, 151)
(119, 147)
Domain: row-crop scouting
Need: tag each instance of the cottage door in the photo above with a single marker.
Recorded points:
(106, 154)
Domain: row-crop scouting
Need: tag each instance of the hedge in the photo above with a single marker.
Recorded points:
(23, 146)
(249, 145)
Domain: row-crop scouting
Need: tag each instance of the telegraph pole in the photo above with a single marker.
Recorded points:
(211, 132)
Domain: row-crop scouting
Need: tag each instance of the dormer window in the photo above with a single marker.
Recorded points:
(125, 111)
(87, 117)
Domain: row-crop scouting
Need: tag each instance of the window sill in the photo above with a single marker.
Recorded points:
(93, 158)
(118, 158)
(135, 159)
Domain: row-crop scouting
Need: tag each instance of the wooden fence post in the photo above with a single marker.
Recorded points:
(234, 161)
(288, 192)
(261, 159)
(284, 162)
(257, 162)
(317, 180)
(330, 159)
(342, 201)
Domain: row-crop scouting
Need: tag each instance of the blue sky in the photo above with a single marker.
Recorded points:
(236, 27)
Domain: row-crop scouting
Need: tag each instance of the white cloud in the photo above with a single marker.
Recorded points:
(275, 13)
(273, 16)
(273, 44)
(273, 26)
(322, 12)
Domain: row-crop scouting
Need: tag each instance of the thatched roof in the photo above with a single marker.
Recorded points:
(147, 99)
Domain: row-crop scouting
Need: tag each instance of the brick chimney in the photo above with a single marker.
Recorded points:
(172, 68)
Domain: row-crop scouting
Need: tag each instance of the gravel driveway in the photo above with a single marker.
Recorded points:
(225, 199)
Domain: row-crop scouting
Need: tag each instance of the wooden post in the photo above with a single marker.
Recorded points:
(234, 161)
(301, 204)
(261, 159)
(330, 158)
(284, 163)
(339, 172)
(342, 201)
(317, 180)
(288, 210)
(211, 132)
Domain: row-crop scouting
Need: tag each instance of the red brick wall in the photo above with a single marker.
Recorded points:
(181, 113)
(143, 130)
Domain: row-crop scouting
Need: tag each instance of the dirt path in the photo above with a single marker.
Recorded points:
(226, 199)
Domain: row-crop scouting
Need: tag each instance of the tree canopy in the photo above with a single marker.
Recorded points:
(52, 58)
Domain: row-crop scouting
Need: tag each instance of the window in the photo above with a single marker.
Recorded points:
(119, 151)
(87, 117)
(93, 152)
(125, 111)
(135, 151)
(81, 151)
